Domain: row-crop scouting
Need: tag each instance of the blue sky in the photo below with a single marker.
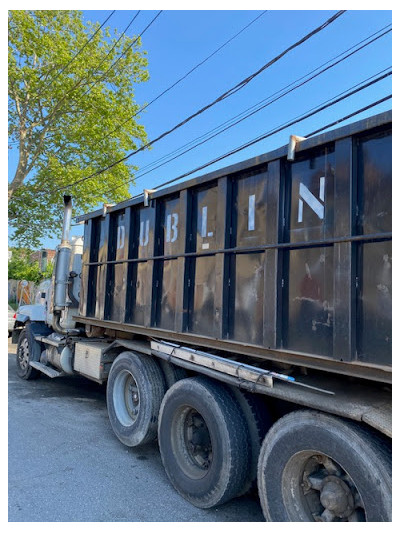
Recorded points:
(179, 40)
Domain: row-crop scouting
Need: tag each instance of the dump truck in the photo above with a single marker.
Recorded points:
(243, 319)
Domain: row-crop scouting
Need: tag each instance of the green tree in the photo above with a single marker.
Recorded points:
(63, 127)
(20, 267)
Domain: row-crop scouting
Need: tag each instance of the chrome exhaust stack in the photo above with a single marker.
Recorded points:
(63, 259)
(62, 274)
(67, 220)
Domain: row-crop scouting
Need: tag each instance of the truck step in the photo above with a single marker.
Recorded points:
(49, 371)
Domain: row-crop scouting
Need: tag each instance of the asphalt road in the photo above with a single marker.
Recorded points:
(66, 465)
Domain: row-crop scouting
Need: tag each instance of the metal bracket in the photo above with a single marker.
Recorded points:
(106, 207)
(146, 193)
(293, 140)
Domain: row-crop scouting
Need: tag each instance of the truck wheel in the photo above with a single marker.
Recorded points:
(28, 349)
(316, 467)
(135, 389)
(172, 373)
(204, 441)
(258, 422)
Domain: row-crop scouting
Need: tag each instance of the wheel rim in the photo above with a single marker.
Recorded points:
(23, 354)
(192, 443)
(126, 398)
(321, 490)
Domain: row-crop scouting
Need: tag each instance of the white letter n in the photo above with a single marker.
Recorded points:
(305, 195)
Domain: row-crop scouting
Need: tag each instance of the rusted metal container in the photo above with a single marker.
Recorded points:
(270, 258)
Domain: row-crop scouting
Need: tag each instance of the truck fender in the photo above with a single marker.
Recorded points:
(33, 320)
(34, 313)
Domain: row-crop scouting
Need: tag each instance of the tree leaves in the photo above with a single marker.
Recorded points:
(65, 116)
(21, 268)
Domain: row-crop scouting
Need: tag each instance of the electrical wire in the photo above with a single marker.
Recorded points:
(248, 112)
(223, 96)
(299, 118)
(104, 59)
(321, 107)
(180, 79)
(343, 58)
(276, 130)
(258, 106)
(146, 106)
(102, 77)
(350, 115)
(142, 108)
(280, 90)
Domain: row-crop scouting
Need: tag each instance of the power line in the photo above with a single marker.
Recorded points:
(291, 84)
(104, 59)
(123, 53)
(350, 115)
(371, 39)
(276, 130)
(366, 108)
(250, 111)
(321, 107)
(286, 125)
(269, 102)
(225, 95)
(188, 73)
(180, 79)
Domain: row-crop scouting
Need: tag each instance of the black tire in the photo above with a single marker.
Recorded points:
(28, 349)
(135, 389)
(204, 441)
(317, 467)
(258, 422)
(172, 373)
